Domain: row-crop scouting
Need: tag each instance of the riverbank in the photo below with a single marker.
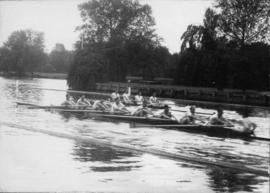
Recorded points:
(229, 96)
(36, 75)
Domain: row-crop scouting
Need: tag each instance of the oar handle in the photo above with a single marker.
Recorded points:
(184, 111)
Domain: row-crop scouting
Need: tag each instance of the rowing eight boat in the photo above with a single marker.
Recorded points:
(215, 130)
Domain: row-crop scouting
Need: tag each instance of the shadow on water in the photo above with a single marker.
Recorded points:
(112, 159)
(224, 180)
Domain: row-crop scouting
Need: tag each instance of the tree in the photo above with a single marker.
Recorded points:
(111, 31)
(202, 36)
(244, 21)
(60, 58)
(112, 20)
(23, 52)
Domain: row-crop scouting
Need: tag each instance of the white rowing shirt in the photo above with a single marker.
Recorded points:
(139, 98)
(126, 97)
(116, 107)
(115, 95)
(153, 99)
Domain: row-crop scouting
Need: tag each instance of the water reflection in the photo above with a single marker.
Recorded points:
(223, 180)
(110, 158)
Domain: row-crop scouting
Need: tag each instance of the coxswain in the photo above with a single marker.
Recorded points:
(139, 98)
(118, 107)
(115, 95)
(143, 111)
(68, 101)
(190, 117)
(218, 119)
(82, 101)
(166, 114)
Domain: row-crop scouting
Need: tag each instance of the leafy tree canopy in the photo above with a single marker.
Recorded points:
(244, 21)
(107, 20)
(23, 52)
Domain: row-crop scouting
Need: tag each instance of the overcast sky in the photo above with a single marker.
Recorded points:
(58, 19)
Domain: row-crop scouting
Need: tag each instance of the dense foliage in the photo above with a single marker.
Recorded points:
(23, 52)
(117, 39)
(230, 49)
(59, 59)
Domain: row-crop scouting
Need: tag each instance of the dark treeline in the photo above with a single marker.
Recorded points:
(23, 53)
(118, 39)
(228, 51)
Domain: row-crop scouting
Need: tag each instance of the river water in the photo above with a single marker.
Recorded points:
(32, 161)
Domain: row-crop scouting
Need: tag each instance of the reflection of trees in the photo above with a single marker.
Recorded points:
(223, 180)
(113, 160)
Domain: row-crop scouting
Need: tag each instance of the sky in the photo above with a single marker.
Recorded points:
(59, 18)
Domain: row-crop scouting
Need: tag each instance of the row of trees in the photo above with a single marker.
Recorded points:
(23, 52)
(229, 50)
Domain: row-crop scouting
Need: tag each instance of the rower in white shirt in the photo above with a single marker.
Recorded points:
(118, 107)
(83, 101)
(139, 98)
(126, 96)
(153, 99)
(115, 95)
(100, 105)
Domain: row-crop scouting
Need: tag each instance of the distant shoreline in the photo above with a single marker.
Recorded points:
(36, 75)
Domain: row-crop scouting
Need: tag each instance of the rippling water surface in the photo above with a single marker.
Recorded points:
(32, 161)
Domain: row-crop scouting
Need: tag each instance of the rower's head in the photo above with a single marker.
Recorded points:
(67, 97)
(117, 100)
(167, 108)
(154, 94)
(192, 109)
(83, 97)
(140, 93)
(219, 112)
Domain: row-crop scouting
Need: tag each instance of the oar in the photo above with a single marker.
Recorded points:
(202, 113)
(136, 125)
(260, 138)
(56, 107)
(24, 103)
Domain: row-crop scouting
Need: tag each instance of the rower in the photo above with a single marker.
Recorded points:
(190, 117)
(83, 101)
(143, 111)
(153, 99)
(115, 95)
(166, 114)
(117, 106)
(218, 119)
(108, 103)
(139, 98)
(126, 97)
(101, 105)
(69, 101)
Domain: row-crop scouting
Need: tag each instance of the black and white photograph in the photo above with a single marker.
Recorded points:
(135, 96)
